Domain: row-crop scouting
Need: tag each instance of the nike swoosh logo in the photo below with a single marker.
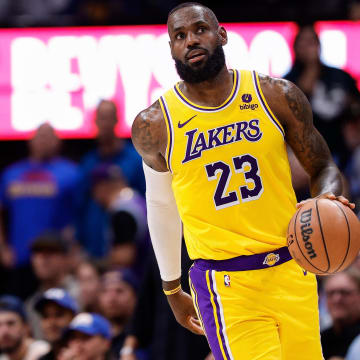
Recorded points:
(180, 125)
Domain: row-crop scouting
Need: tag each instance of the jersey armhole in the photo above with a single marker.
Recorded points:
(169, 131)
(264, 104)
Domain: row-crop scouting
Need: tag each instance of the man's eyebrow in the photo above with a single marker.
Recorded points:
(199, 22)
(178, 28)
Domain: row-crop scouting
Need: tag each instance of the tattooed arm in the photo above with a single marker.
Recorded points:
(149, 137)
(293, 110)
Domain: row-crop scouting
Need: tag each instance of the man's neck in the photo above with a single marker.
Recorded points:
(211, 92)
(117, 328)
(53, 283)
(20, 352)
(109, 146)
(340, 325)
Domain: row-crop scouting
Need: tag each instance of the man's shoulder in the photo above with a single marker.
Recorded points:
(148, 131)
(151, 113)
(17, 168)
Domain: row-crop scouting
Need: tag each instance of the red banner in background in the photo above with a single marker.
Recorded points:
(59, 75)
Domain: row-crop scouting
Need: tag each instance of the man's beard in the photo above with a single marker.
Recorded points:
(204, 72)
(10, 349)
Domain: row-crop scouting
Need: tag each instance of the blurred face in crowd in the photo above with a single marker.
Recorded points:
(89, 284)
(307, 46)
(48, 265)
(86, 347)
(54, 319)
(106, 119)
(12, 331)
(117, 298)
(45, 144)
(343, 298)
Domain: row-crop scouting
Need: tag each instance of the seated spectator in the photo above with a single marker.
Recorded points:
(56, 308)
(38, 195)
(87, 275)
(127, 212)
(153, 325)
(15, 343)
(50, 264)
(87, 337)
(343, 301)
(117, 301)
(112, 150)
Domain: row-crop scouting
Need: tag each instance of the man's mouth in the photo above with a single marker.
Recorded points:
(195, 55)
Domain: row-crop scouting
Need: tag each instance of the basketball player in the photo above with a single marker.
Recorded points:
(215, 159)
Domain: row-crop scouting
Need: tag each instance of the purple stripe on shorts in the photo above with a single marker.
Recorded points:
(198, 279)
(221, 326)
(246, 262)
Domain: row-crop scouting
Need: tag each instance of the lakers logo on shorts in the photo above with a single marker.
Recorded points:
(271, 259)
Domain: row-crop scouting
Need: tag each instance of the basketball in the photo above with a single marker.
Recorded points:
(324, 236)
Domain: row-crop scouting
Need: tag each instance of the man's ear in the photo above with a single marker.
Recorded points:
(223, 35)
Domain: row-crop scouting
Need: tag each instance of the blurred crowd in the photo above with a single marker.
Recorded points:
(78, 278)
(25, 13)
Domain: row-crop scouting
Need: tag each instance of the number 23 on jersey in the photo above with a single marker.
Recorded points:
(245, 164)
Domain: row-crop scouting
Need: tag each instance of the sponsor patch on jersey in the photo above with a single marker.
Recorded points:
(271, 259)
(246, 98)
(227, 280)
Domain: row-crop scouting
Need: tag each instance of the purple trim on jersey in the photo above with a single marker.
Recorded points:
(264, 104)
(221, 325)
(198, 279)
(215, 109)
(245, 262)
(170, 130)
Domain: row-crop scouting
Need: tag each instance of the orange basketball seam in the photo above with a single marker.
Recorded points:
(322, 235)
(349, 237)
(321, 271)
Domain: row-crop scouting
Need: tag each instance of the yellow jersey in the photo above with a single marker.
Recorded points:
(230, 172)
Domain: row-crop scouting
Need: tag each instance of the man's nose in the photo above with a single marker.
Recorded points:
(191, 39)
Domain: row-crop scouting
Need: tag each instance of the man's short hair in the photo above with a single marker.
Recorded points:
(193, 3)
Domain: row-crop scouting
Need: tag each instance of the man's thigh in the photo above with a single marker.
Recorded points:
(247, 337)
(263, 314)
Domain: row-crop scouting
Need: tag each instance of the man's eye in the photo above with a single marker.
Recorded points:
(201, 29)
(179, 36)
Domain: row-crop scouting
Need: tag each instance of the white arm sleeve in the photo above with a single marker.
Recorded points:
(164, 222)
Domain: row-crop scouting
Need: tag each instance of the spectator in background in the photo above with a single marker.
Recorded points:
(153, 325)
(38, 194)
(50, 255)
(88, 279)
(354, 10)
(94, 220)
(44, 12)
(15, 343)
(56, 308)
(127, 211)
(117, 301)
(88, 338)
(330, 91)
(342, 291)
